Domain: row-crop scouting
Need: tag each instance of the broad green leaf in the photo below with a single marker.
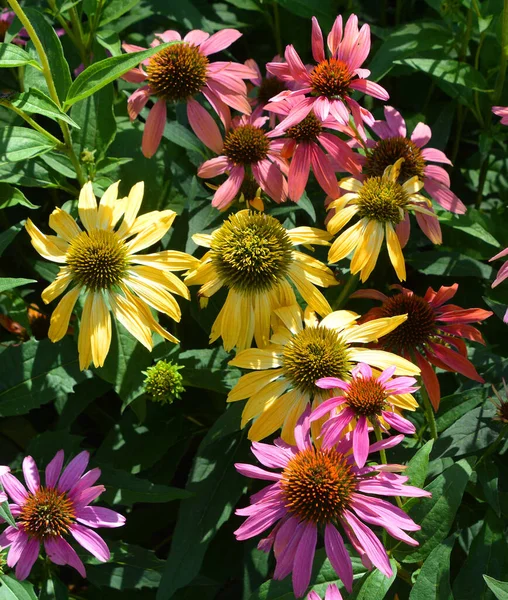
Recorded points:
(181, 136)
(488, 476)
(10, 196)
(54, 589)
(34, 373)
(374, 585)
(22, 143)
(9, 283)
(436, 514)
(5, 513)
(418, 466)
(457, 405)
(499, 588)
(53, 48)
(324, 10)
(12, 589)
(35, 101)
(216, 487)
(433, 581)
(466, 224)
(34, 174)
(99, 74)
(59, 162)
(7, 236)
(115, 9)
(453, 72)
(449, 264)
(488, 555)
(12, 55)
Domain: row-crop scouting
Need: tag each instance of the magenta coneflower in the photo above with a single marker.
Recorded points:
(246, 150)
(501, 111)
(503, 271)
(393, 145)
(47, 513)
(332, 593)
(433, 333)
(264, 87)
(330, 83)
(315, 490)
(367, 400)
(180, 72)
(306, 143)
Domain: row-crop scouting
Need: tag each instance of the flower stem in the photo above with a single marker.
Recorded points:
(429, 411)
(347, 290)
(503, 60)
(382, 454)
(33, 124)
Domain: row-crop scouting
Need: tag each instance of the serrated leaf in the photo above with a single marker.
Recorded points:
(498, 588)
(22, 143)
(35, 101)
(12, 55)
(9, 283)
(433, 580)
(12, 589)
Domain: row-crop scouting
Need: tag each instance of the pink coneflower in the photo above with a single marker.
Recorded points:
(332, 593)
(315, 490)
(246, 150)
(265, 87)
(306, 143)
(180, 72)
(393, 145)
(366, 400)
(432, 334)
(45, 514)
(331, 81)
(501, 111)
(503, 271)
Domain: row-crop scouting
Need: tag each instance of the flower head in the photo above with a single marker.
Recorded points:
(265, 87)
(501, 111)
(254, 256)
(315, 490)
(433, 333)
(247, 153)
(501, 404)
(48, 514)
(502, 274)
(328, 85)
(283, 384)
(381, 203)
(367, 400)
(164, 382)
(332, 593)
(178, 73)
(103, 262)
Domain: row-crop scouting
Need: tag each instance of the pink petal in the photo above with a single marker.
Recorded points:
(88, 479)
(398, 422)
(386, 443)
(296, 66)
(350, 37)
(136, 75)
(270, 456)
(169, 36)
(339, 556)
(219, 41)
(318, 50)
(380, 508)
(88, 495)
(499, 255)
(54, 469)
(435, 155)
(220, 107)
(332, 593)
(334, 427)
(286, 557)
(324, 171)
(14, 488)
(154, 128)
(213, 167)
(329, 383)
(61, 552)
(421, 135)
(339, 111)
(31, 474)
(256, 472)
(302, 431)
(253, 65)
(271, 180)
(370, 88)
(90, 541)
(222, 91)
(204, 126)
(299, 171)
(360, 50)
(196, 37)
(444, 196)
(501, 275)
(132, 48)
(335, 35)
(395, 121)
(8, 536)
(403, 230)
(27, 559)
(297, 114)
(322, 108)
(361, 441)
(18, 542)
(362, 369)
(327, 406)
(260, 522)
(345, 157)
(437, 173)
(304, 558)
(382, 130)
(430, 227)
(230, 188)
(137, 101)
(97, 516)
(73, 471)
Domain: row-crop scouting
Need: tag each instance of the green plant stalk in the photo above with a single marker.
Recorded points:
(347, 290)
(78, 31)
(503, 61)
(382, 454)
(58, 16)
(34, 124)
(276, 28)
(429, 411)
(46, 70)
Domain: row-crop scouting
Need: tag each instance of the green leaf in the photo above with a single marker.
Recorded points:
(5, 513)
(418, 466)
(34, 373)
(455, 406)
(181, 136)
(374, 585)
(488, 476)
(12, 55)
(21, 143)
(450, 264)
(9, 283)
(53, 48)
(10, 196)
(436, 514)
(324, 10)
(99, 74)
(499, 588)
(54, 589)
(433, 581)
(7, 236)
(35, 101)
(453, 72)
(216, 487)
(467, 224)
(115, 9)
(12, 589)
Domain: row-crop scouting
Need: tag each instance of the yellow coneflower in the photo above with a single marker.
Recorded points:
(253, 255)
(381, 203)
(300, 353)
(104, 264)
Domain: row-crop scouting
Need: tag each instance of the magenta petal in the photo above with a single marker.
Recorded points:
(73, 471)
(435, 155)
(304, 557)
(8, 536)
(339, 556)
(97, 516)
(398, 422)
(219, 41)
(87, 495)
(369, 542)
(421, 135)
(388, 442)
(370, 88)
(327, 406)
(270, 456)
(387, 373)
(299, 171)
(229, 189)
(31, 474)
(329, 383)
(88, 479)
(259, 522)
(14, 488)
(54, 469)
(256, 472)
(154, 128)
(334, 427)
(395, 121)
(302, 431)
(204, 126)
(324, 171)
(27, 559)
(18, 542)
(332, 593)
(61, 552)
(318, 49)
(213, 167)
(286, 556)
(90, 541)
(361, 441)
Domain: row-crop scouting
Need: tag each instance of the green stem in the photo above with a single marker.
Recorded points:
(484, 169)
(33, 124)
(78, 31)
(493, 447)
(429, 411)
(276, 19)
(347, 290)
(379, 437)
(503, 61)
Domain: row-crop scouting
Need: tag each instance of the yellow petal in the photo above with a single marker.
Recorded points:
(204, 273)
(318, 276)
(291, 316)
(341, 218)
(163, 279)
(85, 334)
(339, 319)
(152, 218)
(257, 358)
(372, 330)
(132, 206)
(106, 207)
(262, 312)
(58, 286)
(127, 313)
(351, 184)
(155, 296)
(232, 320)
(149, 236)
(172, 260)
(369, 245)
(48, 246)
(309, 292)
(262, 400)
(246, 332)
(343, 201)
(309, 235)
(60, 318)
(405, 401)
(100, 329)
(202, 239)
(383, 360)
(250, 384)
(346, 242)
(294, 413)
(377, 241)
(413, 185)
(216, 331)
(87, 207)
(273, 416)
(395, 252)
(64, 225)
(284, 294)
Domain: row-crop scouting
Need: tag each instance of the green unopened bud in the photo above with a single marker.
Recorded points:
(164, 382)
(88, 156)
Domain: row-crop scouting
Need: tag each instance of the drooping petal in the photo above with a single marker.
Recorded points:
(227, 192)
(339, 556)
(304, 558)
(27, 559)
(90, 541)
(204, 126)
(154, 128)
(61, 552)
(97, 516)
(137, 101)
